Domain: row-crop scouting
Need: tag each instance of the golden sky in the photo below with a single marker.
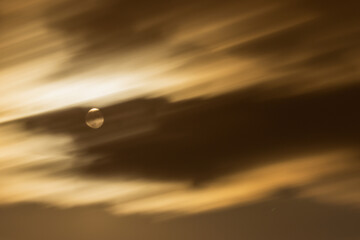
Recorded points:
(207, 104)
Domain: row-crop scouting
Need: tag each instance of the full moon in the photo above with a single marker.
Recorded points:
(94, 118)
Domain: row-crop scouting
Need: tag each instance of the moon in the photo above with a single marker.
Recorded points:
(94, 118)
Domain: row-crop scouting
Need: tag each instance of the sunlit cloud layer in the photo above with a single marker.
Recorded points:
(181, 51)
(291, 66)
(24, 178)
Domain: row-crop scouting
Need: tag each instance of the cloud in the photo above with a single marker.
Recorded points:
(43, 172)
(155, 156)
(295, 62)
(275, 34)
(202, 139)
(167, 48)
(245, 187)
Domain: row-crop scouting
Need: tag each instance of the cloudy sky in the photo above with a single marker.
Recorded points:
(222, 119)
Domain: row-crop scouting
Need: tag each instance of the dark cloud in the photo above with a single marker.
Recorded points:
(103, 29)
(202, 139)
(280, 43)
(108, 25)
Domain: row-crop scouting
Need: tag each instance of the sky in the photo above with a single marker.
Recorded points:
(222, 119)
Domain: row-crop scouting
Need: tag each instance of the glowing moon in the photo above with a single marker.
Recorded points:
(94, 118)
